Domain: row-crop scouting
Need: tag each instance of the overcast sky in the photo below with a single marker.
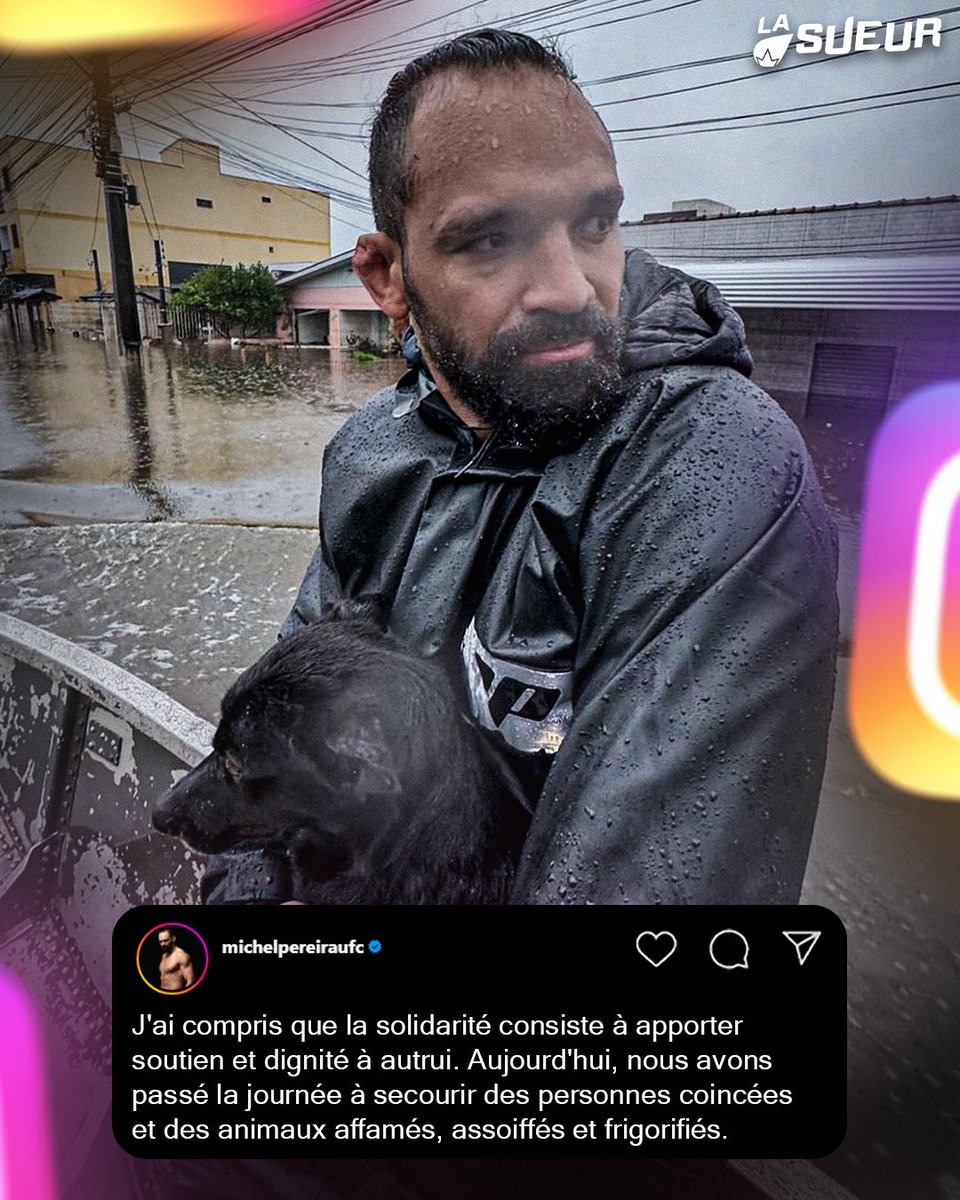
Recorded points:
(891, 152)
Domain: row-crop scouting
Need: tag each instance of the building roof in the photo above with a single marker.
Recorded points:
(881, 282)
(105, 296)
(281, 269)
(314, 270)
(662, 218)
(33, 295)
(926, 281)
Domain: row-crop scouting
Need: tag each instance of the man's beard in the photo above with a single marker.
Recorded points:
(553, 407)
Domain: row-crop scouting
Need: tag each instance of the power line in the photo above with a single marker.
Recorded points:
(791, 120)
(743, 57)
(146, 183)
(230, 142)
(320, 125)
(775, 112)
(258, 164)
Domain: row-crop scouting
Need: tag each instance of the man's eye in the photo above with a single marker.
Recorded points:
(598, 226)
(490, 243)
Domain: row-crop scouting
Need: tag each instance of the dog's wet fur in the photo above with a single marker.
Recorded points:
(349, 756)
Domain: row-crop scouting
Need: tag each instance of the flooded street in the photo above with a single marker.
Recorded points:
(188, 433)
(160, 510)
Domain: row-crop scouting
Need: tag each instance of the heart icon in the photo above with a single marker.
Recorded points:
(656, 948)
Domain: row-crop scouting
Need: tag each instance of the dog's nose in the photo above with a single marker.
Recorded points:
(165, 817)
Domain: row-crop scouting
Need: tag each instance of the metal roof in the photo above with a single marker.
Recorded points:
(33, 295)
(319, 268)
(854, 206)
(930, 282)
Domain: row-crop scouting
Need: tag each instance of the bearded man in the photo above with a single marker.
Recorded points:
(577, 500)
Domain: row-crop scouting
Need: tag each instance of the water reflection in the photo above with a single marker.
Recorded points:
(188, 432)
(131, 374)
(840, 448)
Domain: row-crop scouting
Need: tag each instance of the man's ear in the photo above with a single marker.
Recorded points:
(377, 261)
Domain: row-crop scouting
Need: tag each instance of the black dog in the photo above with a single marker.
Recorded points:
(348, 757)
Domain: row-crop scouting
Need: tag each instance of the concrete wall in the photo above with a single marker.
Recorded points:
(57, 215)
(783, 344)
(913, 227)
(336, 295)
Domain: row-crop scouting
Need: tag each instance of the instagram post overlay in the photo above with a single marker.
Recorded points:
(905, 678)
(700, 1031)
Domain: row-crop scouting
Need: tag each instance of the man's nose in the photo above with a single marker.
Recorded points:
(558, 281)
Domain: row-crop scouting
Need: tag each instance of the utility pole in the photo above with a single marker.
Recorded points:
(158, 255)
(106, 153)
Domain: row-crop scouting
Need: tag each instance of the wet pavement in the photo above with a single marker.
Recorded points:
(163, 515)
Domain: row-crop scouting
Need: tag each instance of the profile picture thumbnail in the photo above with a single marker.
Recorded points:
(172, 958)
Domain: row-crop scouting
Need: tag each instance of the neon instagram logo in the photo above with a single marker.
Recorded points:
(26, 1164)
(905, 677)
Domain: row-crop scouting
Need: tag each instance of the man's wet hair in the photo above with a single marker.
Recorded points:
(483, 50)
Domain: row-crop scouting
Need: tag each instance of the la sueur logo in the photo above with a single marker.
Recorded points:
(851, 37)
(905, 673)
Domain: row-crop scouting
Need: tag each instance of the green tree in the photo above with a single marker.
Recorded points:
(246, 297)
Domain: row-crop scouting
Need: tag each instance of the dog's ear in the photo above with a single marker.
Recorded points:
(367, 610)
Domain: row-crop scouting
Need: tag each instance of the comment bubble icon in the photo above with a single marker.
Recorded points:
(729, 949)
(656, 948)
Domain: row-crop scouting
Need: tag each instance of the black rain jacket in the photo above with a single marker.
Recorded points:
(647, 624)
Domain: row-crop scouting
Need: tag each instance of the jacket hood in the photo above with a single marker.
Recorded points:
(672, 318)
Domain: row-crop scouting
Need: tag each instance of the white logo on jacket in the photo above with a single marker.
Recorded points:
(530, 709)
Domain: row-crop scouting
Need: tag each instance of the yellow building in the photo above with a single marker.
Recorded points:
(53, 217)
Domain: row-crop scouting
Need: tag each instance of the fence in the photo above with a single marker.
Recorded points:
(192, 323)
(92, 319)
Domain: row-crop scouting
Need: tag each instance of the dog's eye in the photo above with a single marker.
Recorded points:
(233, 765)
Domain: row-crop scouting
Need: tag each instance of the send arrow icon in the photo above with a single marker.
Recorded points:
(803, 941)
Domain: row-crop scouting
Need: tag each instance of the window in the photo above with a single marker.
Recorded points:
(270, 248)
(265, 199)
(850, 379)
(14, 233)
(204, 203)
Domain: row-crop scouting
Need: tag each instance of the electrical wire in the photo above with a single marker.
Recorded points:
(96, 222)
(155, 232)
(260, 156)
(776, 112)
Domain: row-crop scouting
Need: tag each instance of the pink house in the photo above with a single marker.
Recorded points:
(326, 305)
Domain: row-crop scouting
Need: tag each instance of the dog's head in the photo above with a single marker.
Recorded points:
(325, 740)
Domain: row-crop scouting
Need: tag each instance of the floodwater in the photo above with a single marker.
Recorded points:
(191, 433)
(235, 436)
